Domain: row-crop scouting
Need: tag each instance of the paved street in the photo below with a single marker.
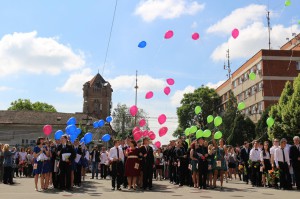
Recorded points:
(24, 189)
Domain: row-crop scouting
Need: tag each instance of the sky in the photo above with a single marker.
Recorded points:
(48, 49)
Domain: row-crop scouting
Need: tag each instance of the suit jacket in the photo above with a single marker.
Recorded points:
(149, 159)
(245, 155)
(97, 155)
(67, 149)
(294, 155)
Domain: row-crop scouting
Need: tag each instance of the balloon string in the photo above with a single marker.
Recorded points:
(109, 38)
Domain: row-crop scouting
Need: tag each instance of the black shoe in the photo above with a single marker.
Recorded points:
(119, 189)
(181, 185)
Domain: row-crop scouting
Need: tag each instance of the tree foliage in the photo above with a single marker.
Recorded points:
(262, 127)
(26, 104)
(123, 122)
(287, 112)
(205, 97)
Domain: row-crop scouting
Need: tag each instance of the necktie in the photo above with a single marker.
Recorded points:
(283, 155)
(256, 149)
(118, 153)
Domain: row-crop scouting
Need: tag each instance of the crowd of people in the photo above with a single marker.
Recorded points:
(133, 165)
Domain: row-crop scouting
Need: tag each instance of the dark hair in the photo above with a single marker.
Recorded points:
(264, 151)
(193, 145)
(38, 141)
(115, 141)
(134, 143)
(145, 139)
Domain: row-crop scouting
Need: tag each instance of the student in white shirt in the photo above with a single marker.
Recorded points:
(103, 163)
(255, 165)
(116, 156)
(282, 161)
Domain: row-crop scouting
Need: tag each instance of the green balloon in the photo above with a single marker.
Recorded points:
(210, 118)
(218, 121)
(207, 133)
(198, 110)
(241, 106)
(288, 3)
(299, 22)
(193, 129)
(218, 135)
(270, 122)
(187, 132)
(252, 76)
(188, 141)
(199, 134)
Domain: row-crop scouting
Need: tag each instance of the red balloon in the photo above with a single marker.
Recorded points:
(137, 135)
(195, 36)
(170, 81)
(149, 95)
(162, 119)
(157, 144)
(47, 129)
(235, 33)
(169, 34)
(142, 122)
(145, 133)
(135, 129)
(133, 110)
(167, 90)
(152, 136)
(162, 131)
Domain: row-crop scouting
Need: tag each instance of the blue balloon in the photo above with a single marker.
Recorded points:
(78, 131)
(71, 129)
(109, 119)
(73, 137)
(58, 134)
(82, 140)
(106, 138)
(71, 121)
(88, 137)
(142, 44)
(101, 123)
(95, 124)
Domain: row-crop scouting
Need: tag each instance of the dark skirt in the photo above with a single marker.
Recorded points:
(132, 167)
(38, 169)
(194, 164)
(231, 165)
(268, 166)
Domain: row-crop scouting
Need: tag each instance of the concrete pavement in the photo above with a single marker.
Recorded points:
(24, 189)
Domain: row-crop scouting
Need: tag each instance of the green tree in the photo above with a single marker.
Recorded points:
(261, 128)
(26, 104)
(286, 112)
(123, 122)
(243, 129)
(205, 97)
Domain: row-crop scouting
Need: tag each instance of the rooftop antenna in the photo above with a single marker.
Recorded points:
(227, 67)
(136, 88)
(269, 28)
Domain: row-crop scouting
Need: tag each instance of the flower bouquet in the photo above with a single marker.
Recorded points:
(272, 176)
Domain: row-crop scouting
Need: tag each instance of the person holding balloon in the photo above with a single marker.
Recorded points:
(220, 164)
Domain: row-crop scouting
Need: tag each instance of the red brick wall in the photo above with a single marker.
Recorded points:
(273, 88)
(279, 68)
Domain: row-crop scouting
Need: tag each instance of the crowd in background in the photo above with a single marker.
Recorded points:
(133, 165)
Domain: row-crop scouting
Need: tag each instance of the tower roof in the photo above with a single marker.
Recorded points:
(97, 78)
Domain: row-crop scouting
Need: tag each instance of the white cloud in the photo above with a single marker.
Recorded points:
(145, 83)
(194, 25)
(150, 10)
(26, 52)
(216, 85)
(76, 81)
(178, 95)
(252, 39)
(4, 88)
(239, 18)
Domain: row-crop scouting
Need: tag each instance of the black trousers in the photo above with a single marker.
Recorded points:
(147, 175)
(103, 170)
(255, 174)
(171, 168)
(247, 174)
(285, 176)
(117, 174)
(77, 175)
(65, 175)
(203, 171)
(7, 175)
(296, 168)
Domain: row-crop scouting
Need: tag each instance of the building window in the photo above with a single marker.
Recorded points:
(241, 80)
(253, 111)
(247, 93)
(298, 65)
(26, 141)
(259, 66)
(260, 86)
(23, 141)
(253, 90)
(260, 107)
(246, 76)
(234, 84)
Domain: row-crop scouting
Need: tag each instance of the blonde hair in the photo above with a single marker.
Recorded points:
(6, 147)
(210, 148)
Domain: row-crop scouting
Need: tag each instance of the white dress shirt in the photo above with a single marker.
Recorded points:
(255, 155)
(103, 157)
(278, 156)
(262, 157)
(114, 154)
(272, 149)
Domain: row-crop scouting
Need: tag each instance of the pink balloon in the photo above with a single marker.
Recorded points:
(162, 131)
(152, 136)
(133, 110)
(162, 119)
(169, 34)
(170, 81)
(167, 90)
(195, 36)
(149, 95)
(135, 129)
(47, 130)
(157, 144)
(145, 133)
(142, 122)
(137, 135)
(235, 33)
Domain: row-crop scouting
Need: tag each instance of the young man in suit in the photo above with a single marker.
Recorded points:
(148, 162)
(116, 156)
(245, 153)
(67, 155)
(95, 158)
(78, 166)
(295, 159)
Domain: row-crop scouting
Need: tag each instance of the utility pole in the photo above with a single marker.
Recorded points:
(269, 29)
(136, 88)
(227, 67)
